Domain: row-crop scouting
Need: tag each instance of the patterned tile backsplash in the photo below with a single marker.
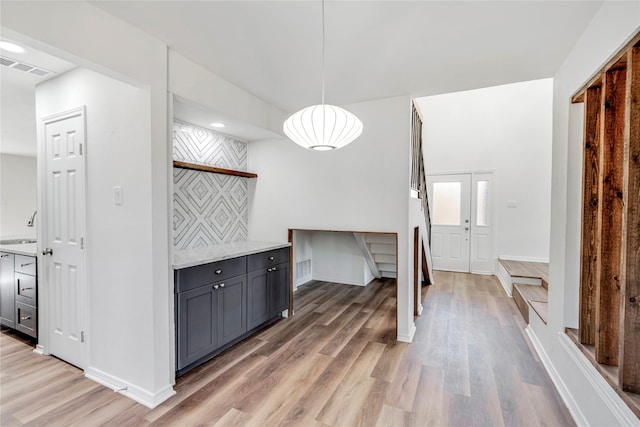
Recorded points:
(208, 208)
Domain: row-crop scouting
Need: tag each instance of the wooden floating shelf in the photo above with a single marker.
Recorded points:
(212, 169)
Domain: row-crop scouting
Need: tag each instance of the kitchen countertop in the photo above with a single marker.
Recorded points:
(189, 257)
(29, 249)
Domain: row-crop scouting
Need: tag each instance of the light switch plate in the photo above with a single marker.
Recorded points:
(117, 195)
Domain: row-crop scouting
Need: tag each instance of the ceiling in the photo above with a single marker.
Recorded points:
(17, 104)
(374, 49)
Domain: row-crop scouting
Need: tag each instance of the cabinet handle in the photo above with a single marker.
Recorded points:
(215, 287)
(273, 269)
(271, 258)
(222, 285)
(25, 289)
(25, 317)
(24, 265)
(4, 255)
(218, 271)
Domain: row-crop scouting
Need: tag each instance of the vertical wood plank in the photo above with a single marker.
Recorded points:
(630, 310)
(608, 291)
(591, 215)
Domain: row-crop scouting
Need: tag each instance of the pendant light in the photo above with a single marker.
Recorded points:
(322, 127)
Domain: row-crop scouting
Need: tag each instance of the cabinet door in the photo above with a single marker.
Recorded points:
(7, 291)
(232, 314)
(259, 307)
(197, 324)
(279, 277)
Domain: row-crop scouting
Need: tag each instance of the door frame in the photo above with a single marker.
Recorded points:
(476, 175)
(44, 300)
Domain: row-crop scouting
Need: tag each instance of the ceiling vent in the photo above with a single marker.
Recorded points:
(11, 63)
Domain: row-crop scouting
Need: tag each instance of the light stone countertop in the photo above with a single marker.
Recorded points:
(189, 257)
(29, 249)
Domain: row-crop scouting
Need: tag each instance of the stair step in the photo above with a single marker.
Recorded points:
(383, 248)
(385, 258)
(387, 267)
(535, 296)
(380, 238)
(389, 274)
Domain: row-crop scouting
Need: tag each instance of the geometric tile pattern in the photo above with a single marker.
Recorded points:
(208, 208)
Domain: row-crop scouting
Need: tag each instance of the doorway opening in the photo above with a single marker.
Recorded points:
(346, 257)
(462, 222)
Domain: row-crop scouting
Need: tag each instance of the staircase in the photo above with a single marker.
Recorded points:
(529, 285)
(379, 250)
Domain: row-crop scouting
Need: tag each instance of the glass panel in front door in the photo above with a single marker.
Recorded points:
(446, 203)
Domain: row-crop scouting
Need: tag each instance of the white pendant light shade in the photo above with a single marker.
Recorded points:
(322, 127)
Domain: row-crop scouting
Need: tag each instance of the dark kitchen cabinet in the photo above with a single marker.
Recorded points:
(219, 304)
(268, 293)
(7, 290)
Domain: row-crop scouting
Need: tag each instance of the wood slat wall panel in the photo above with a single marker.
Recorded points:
(630, 314)
(608, 291)
(591, 215)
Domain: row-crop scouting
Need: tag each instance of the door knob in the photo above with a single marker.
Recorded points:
(47, 251)
(466, 229)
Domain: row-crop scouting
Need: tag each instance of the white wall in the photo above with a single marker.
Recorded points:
(362, 187)
(143, 353)
(18, 175)
(506, 129)
(337, 258)
(590, 400)
(118, 238)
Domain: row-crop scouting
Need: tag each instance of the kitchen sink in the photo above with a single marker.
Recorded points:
(17, 241)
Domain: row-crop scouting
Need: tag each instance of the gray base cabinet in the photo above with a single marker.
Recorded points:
(268, 293)
(7, 290)
(18, 293)
(221, 303)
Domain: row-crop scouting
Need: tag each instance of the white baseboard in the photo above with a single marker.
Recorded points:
(39, 350)
(563, 391)
(342, 282)
(624, 416)
(409, 337)
(522, 258)
(140, 395)
(505, 280)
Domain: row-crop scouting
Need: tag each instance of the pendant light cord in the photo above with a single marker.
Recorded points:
(322, 52)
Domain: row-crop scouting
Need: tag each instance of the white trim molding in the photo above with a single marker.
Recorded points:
(607, 394)
(409, 337)
(562, 388)
(505, 279)
(140, 395)
(522, 258)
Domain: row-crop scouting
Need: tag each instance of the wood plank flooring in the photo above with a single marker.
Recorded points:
(335, 363)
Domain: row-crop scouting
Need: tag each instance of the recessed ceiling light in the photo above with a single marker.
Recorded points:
(11, 47)
(218, 125)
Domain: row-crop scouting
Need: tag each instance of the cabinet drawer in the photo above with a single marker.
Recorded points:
(25, 264)
(267, 259)
(26, 319)
(26, 289)
(199, 275)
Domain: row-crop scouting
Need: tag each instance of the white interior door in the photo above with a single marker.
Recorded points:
(450, 203)
(63, 257)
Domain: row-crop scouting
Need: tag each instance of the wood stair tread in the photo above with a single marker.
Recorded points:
(534, 270)
(534, 296)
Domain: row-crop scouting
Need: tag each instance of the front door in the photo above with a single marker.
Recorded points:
(462, 226)
(450, 221)
(63, 255)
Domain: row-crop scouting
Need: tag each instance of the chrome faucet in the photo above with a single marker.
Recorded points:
(33, 218)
